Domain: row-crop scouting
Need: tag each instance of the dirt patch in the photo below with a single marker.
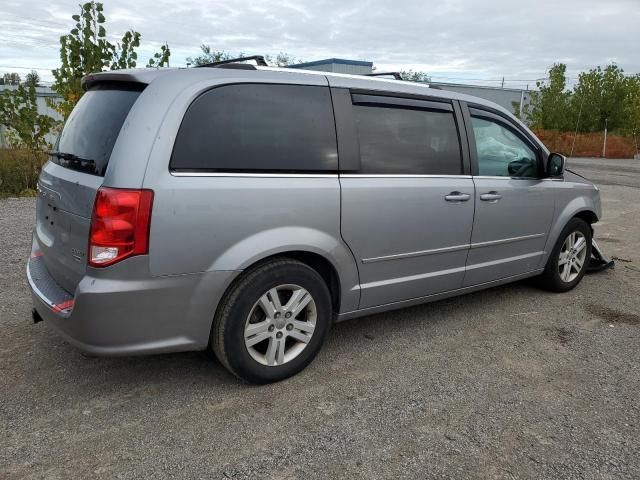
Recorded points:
(612, 315)
(623, 260)
(561, 334)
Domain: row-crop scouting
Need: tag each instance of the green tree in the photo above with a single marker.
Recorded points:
(550, 105)
(415, 76)
(10, 79)
(32, 78)
(85, 49)
(161, 58)
(602, 95)
(632, 110)
(282, 60)
(208, 55)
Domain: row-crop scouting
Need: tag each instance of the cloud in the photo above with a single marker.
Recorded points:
(448, 39)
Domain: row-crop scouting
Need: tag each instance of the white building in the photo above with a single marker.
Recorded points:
(337, 65)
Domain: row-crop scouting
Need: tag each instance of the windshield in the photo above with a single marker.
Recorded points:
(93, 127)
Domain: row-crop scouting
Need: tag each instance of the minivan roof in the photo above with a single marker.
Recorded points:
(148, 75)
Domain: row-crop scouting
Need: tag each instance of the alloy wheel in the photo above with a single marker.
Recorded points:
(572, 256)
(280, 325)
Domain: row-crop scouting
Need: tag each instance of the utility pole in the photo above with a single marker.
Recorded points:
(521, 104)
(604, 144)
(502, 83)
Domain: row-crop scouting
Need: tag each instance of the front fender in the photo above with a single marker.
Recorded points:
(267, 243)
(566, 212)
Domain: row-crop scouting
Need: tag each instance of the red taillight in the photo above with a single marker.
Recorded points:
(119, 225)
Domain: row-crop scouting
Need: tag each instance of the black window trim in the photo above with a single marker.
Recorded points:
(346, 132)
(348, 142)
(482, 111)
(399, 102)
(392, 94)
(244, 172)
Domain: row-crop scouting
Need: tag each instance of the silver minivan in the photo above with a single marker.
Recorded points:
(245, 209)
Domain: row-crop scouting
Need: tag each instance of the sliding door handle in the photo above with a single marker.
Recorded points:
(492, 196)
(457, 197)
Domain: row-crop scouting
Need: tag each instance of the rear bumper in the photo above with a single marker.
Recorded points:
(139, 316)
(46, 288)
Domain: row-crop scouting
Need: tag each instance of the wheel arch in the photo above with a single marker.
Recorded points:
(588, 216)
(578, 208)
(328, 255)
(324, 268)
(313, 260)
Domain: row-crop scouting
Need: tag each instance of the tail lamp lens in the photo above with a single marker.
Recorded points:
(119, 225)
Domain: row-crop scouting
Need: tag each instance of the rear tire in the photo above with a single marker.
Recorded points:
(569, 258)
(272, 322)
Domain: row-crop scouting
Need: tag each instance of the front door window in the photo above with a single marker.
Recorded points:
(501, 153)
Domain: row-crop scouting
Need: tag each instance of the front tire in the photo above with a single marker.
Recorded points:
(569, 258)
(272, 322)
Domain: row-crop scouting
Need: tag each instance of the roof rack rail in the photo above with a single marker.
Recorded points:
(395, 75)
(258, 58)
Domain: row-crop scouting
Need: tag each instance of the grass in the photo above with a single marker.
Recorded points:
(19, 170)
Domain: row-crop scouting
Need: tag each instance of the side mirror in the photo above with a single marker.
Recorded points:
(555, 164)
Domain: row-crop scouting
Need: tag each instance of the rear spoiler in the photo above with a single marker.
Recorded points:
(134, 75)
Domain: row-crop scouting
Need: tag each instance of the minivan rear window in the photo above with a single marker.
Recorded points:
(88, 136)
(258, 128)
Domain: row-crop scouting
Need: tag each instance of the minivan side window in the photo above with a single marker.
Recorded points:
(501, 153)
(258, 128)
(407, 141)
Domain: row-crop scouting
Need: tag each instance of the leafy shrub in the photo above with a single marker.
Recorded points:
(23, 126)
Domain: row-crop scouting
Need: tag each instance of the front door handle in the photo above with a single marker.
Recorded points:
(492, 196)
(457, 197)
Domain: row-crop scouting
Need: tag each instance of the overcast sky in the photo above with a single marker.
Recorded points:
(452, 40)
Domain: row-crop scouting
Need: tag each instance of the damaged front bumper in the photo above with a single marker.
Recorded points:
(598, 261)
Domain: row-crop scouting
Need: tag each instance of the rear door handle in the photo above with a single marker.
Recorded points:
(492, 196)
(457, 197)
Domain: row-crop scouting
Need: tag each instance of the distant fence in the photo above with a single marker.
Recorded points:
(589, 144)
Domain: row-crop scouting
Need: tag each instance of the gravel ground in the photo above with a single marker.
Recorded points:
(507, 383)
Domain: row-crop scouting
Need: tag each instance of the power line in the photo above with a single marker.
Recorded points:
(27, 68)
(45, 23)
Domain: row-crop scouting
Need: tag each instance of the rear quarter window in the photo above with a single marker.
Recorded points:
(91, 130)
(258, 128)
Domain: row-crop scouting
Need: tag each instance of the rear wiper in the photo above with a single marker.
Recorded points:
(72, 158)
